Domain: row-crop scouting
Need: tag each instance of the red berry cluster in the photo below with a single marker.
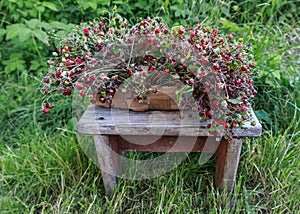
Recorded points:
(107, 52)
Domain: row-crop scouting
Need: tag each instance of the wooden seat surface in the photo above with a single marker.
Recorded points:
(101, 120)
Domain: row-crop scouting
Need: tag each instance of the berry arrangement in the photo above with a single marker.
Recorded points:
(100, 56)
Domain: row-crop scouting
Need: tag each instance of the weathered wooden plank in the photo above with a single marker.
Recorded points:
(227, 164)
(168, 144)
(99, 120)
(105, 160)
(116, 154)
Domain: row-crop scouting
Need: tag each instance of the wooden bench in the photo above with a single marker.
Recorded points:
(112, 128)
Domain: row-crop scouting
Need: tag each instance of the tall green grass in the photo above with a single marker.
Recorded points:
(44, 169)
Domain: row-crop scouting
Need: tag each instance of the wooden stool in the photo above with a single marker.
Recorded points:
(111, 128)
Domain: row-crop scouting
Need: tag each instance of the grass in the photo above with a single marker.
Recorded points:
(44, 169)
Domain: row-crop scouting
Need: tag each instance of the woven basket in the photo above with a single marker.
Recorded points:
(163, 99)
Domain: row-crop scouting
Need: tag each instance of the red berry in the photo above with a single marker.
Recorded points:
(46, 80)
(67, 92)
(238, 81)
(208, 113)
(230, 36)
(243, 68)
(225, 125)
(101, 24)
(202, 74)
(68, 63)
(251, 64)
(93, 76)
(234, 124)
(124, 24)
(244, 97)
(102, 100)
(215, 32)
(79, 86)
(46, 110)
(215, 102)
(82, 93)
(243, 108)
(100, 33)
(71, 73)
(47, 105)
(181, 31)
(165, 31)
(204, 62)
(157, 31)
(58, 74)
(254, 92)
(192, 34)
(78, 60)
(167, 71)
(152, 68)
(86, 31)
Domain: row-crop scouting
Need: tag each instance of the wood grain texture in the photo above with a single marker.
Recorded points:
(163, 99)
(227, 164)
(100, 120)
(106, 163)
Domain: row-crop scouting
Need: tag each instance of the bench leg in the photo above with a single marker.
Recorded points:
(227, 164)
(105, 160)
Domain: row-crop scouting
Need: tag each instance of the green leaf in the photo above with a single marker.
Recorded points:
(263, 115)
(25, 35)
(58, 25)
(50, 5)
(14, 63)
(230, 25)
(118, 2)
(186, 89)
(33, 23)
(234, 101)
(276, 74)
(166, 5)
(93, 5)
(13, 31)
(40, 35)
(45, 25)
(40, 8)
(34, 65)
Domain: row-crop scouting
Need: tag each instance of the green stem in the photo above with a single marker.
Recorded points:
(36, 47)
